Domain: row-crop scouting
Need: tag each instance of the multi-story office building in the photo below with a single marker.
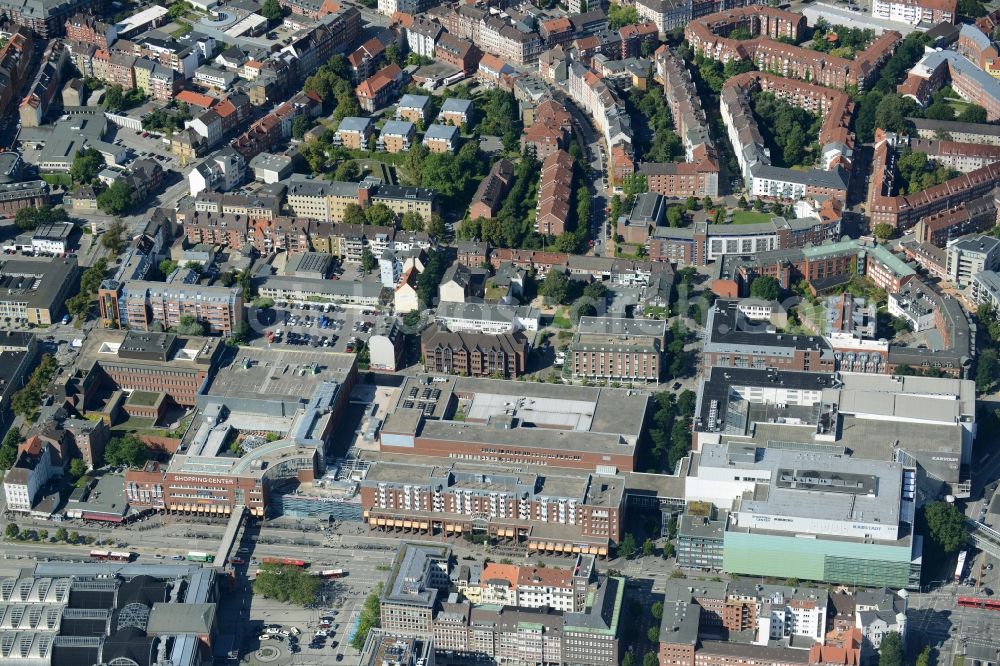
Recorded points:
(858, 513)
(140, 304)
(617, 349)
(915, 12)
(969, 256)
(985, 289)
(766, 624)
(969, 217)
(736, 341)
(572, 427)
(414, 604)
(327, 201)
(34, 290)
(916, 304)
(533, 586)
(32, 469)
(486, 318)
(283, 423)
(501, 355)
(702, 243)
(385, 649)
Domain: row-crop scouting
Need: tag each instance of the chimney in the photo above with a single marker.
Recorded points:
(364, 195)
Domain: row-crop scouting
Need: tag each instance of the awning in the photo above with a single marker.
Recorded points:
(104, 517)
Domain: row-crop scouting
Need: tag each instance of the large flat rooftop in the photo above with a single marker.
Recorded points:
(279, 374)
(577, 411)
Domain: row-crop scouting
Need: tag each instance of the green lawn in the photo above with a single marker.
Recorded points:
(561, 319)
(750, 217)
(143, 398)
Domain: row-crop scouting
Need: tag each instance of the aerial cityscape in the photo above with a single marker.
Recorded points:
(512, 332)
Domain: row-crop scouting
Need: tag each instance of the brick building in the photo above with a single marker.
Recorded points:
(614, 349)
(154, 362)
(422, 422)
(517, 507)
(708, 36)
(474, 354)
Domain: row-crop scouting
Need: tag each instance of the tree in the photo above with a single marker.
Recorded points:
(428, 281)
(650, 658)
(287, 584)
(891, 652)
(31, 218)
(112, 238)
(987, 369)
(245, 280)
(393, 55)
(883, 231)
(11, 531)
(74, 537)
(61, 534)
(924, 658)
(413, 221)
(945, 526)
(188, 325)
(939, 110)
(368, 261)
(765, 287)
(653, 636)
(263, 302)
(706, 202)
(971, 8)
(648, 547)
(972, 114)
(370, 618)
(117, 199)
(77, 468)
(619, 15)
(628, 659)
(675, 216)
(177, 10)
(79, 306)
(657, 610)
(195, 266)
(127, 451)
(691, 203)
(596, 291)
(380, 215)
(354, 214)
(167, 266)
(668, 550)
(892, 112)
(8, 449)
(347, 171)
(627, 547)
(301, 124)
(271, 10)
(555, 287)
(86, 165)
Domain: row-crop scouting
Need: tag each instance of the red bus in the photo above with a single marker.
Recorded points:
(287, 561)
(100, 554)
(120, 556)
(330, 573)
(979, 602)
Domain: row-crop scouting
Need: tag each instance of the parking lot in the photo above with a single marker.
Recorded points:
(150, 145)
(326, 326)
